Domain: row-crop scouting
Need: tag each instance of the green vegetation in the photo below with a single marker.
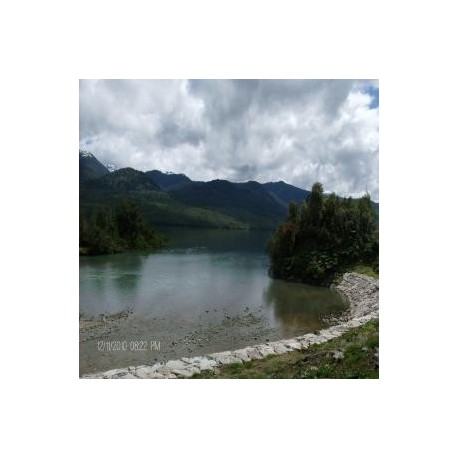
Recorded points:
(112, 230)
(248, 202)
(161, 209)
(172, 199)
(365, 270)
(158, 207)
(352, 355)
(325, 236)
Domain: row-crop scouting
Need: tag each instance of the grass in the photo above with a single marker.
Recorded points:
(365, 270)
(352, 355)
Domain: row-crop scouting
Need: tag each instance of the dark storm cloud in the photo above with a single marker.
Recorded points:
(298, 131)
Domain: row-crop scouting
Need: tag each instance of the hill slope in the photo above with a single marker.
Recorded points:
(285, 193)
(167, 181)
(123, 180)
(158, 206)
(174, 199)
(247, 202)
(90, 167)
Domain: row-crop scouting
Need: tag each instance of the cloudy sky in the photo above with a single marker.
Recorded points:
(298, 131)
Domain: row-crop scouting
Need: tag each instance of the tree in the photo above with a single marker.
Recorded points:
(293, 212)
(315, 204)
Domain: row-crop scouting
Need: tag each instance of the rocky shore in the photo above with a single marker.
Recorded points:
(361, 291)
(102, 325)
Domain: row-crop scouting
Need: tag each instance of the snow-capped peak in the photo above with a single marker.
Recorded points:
(111, 167)
(84, 153)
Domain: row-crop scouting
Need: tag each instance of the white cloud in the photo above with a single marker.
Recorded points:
(299, 131)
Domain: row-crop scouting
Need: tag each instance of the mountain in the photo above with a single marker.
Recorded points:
(174, 199)
(157, 205)
(247, 202)
(285, 193)
(167, 180)
(122, 180)
(90, 167)
(111, 167)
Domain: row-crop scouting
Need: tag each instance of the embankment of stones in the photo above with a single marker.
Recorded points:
(360, 291)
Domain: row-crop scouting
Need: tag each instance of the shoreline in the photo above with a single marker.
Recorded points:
(361, 292)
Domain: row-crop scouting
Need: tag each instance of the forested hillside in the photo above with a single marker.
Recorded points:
(246, 202)
(174, 199)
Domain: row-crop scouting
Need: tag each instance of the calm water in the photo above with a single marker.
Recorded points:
(209, 291)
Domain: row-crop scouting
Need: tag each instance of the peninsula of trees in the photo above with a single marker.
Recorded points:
(115, 229)
(323, 237)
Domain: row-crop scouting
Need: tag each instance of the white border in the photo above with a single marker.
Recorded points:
(47, 47)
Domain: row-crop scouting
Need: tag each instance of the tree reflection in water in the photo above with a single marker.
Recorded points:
(299, 307)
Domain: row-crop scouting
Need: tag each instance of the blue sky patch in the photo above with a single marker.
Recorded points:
(373, 92)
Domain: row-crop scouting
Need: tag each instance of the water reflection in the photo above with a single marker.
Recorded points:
(110, 283)
(204, 276)
(217, 241)
(299, 307)
(210, 284)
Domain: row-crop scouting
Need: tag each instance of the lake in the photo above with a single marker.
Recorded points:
(209, 291)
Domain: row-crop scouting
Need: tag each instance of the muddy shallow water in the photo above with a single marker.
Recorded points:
(210, 291)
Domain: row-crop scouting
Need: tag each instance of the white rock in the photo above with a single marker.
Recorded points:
(226, 357)
(147, 371)
(201, 362)
(292, 343)
(321, 339)
(188, 372)
(127, 375)
(279, 348)
(113, 372)
(157, 375)
(253, 353)
(242, 354)
(166, 372)
(326, 334)
(308, 338)
(265, 349)
(176, 364)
